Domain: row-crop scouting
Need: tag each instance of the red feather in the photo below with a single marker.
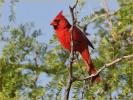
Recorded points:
(81, 42)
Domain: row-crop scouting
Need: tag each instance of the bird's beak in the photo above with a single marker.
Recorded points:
(53, 23)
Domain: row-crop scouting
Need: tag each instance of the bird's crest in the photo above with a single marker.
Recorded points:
(59, 14)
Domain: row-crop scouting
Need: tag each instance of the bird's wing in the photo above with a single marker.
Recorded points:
(80, 36)
(89, 43)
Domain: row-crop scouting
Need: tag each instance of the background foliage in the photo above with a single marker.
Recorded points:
(23, 59)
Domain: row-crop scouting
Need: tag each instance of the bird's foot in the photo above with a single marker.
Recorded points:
(73, 58)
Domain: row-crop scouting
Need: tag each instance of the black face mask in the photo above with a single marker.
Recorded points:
(56, 26)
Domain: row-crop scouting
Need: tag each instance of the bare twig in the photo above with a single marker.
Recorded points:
(95, 17)
(100, 16)
(106, 66)
(108, 14)
(105, 3)
(70, 77)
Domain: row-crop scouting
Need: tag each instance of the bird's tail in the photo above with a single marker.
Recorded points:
(90, 67)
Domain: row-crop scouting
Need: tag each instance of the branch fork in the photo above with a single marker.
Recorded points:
(71, 78)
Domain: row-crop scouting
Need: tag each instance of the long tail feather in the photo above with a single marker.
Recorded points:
(90, 67)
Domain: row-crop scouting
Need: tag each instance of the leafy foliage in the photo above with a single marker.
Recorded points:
(24, 59)
(113, 42)
(19, 63)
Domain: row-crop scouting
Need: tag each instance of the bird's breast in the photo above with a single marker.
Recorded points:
(64, 38)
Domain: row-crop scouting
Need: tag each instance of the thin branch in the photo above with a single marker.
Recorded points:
(70, 77)
(106, 66)
(100, 16)
(107, 15)
(72, 13)
(105, 3)
(32, 67)
(95, 17)
(74, 6)
(36, 71)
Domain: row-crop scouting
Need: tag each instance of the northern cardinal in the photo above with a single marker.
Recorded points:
(62, 28)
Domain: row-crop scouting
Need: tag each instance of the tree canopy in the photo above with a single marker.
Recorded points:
(23, 58)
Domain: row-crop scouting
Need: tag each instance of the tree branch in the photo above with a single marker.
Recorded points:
(36, 71)
(100, 16)
(105, 3)
(70, 77)
(106, 66)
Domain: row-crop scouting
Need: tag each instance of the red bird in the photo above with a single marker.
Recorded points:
(81, 42)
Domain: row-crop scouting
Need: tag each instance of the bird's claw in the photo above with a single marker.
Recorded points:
(73, 58)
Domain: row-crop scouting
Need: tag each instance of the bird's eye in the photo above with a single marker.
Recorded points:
(57, 21)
